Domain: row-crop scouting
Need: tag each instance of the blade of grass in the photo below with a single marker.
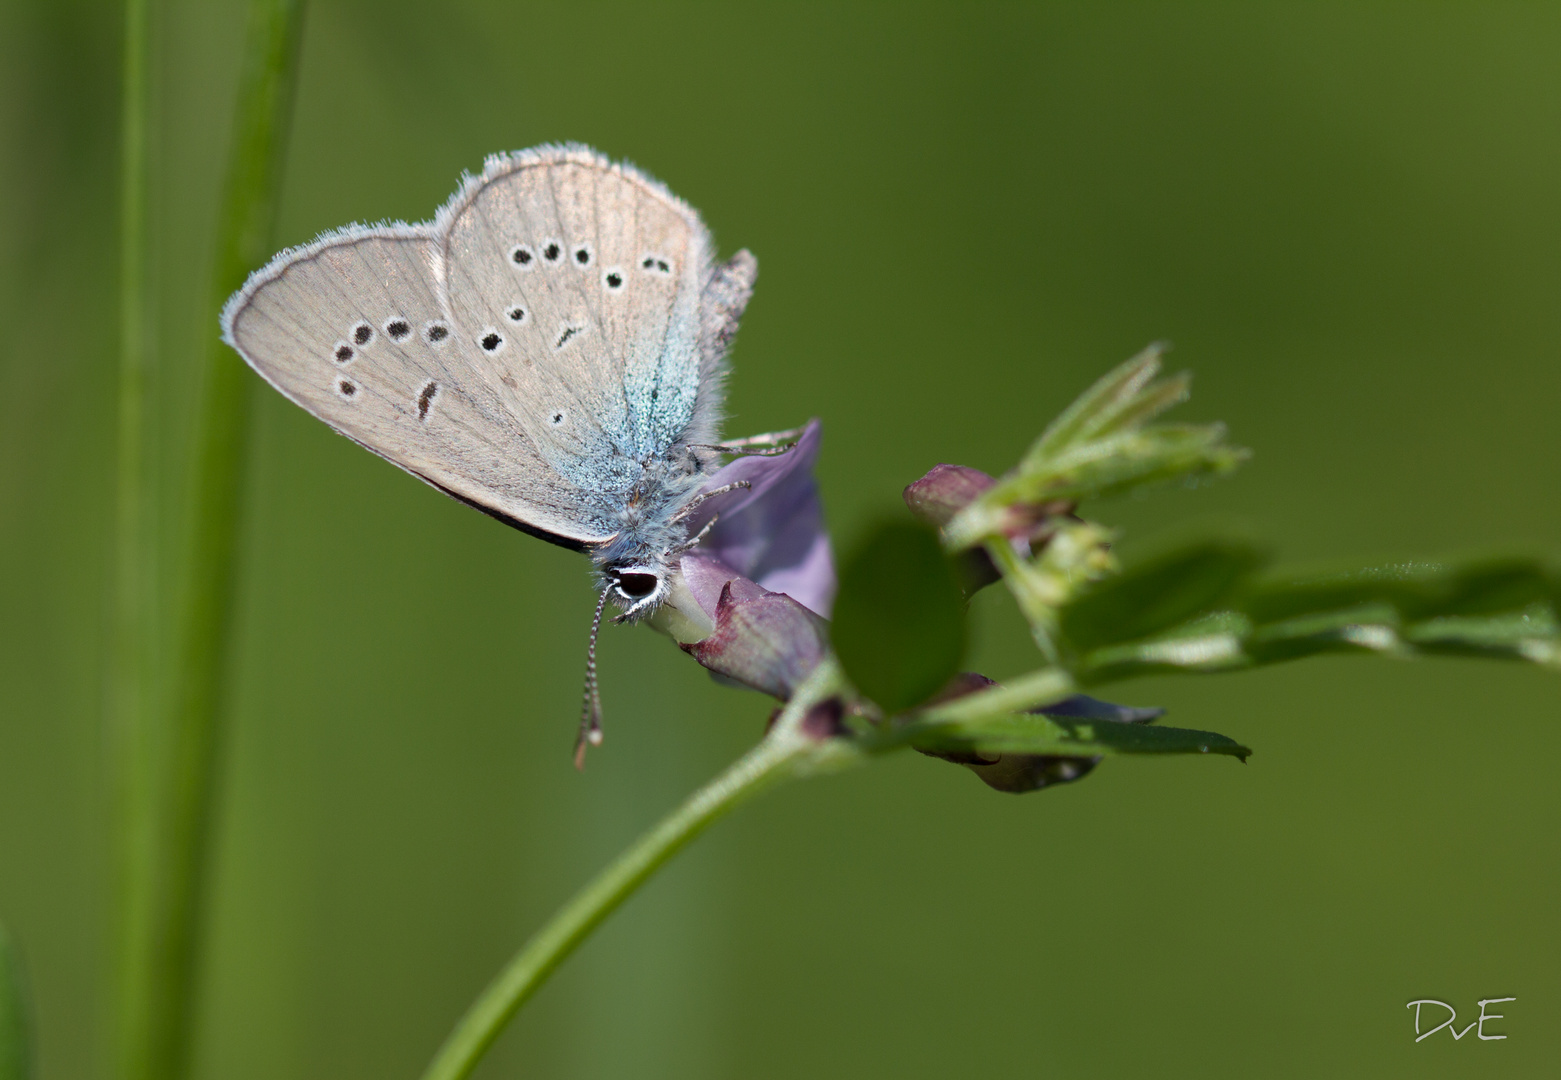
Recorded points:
(159, 990)
(16, 1052)
(130, 716)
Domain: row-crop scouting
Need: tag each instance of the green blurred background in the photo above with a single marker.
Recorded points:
(1346, 218)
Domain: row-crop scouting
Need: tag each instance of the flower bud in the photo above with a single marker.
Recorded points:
(947, 489)
(763, 640)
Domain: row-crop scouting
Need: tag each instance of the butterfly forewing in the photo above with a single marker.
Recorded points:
(351, 329)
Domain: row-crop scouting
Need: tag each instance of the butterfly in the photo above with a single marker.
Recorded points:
(549, 349)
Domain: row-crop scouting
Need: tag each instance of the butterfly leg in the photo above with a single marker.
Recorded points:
(694, 503)
(766, 445)
(769, 438)
(693, 541)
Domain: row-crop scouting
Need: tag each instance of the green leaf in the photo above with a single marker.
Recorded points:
(1160, 593)
(1139, 410)
(1414, 590)
(1100, 469)
(1212, 644)
(1102, 445)
(1492, 586)
(899, 624)
(1110, 394)
(1025, 733)
(1492, 608)
(1532, 636)
(1369, 628)
(1121, 463)
(15, 1041)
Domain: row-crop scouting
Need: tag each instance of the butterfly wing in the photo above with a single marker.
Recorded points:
(554, 327)
(352, 328)
(606, 314)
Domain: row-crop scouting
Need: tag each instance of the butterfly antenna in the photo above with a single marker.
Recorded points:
(591, 709)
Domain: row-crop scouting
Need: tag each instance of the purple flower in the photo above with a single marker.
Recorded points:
(750, 601)
(762, 639)
(773, 532)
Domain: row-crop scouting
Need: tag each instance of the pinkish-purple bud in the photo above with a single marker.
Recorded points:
(937, 497)
(945, 491)
(762, 639)
(824, 720)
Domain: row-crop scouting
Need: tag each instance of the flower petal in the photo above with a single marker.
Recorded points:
(773, 532)
(764, 640)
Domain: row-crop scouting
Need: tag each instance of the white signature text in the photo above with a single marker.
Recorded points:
(1452, 1016)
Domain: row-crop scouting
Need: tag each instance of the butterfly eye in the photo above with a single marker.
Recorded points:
(637, 586)
(491, 341)
(613, 279)
(583, 255)
(363, 333)
(398, 329)
(343, 352)
(522, 256)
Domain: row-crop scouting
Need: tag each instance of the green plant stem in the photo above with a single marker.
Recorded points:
(130, 715)
(1017, 695)
(1037, 602)
(16, 1052)
(159, 989)
(784, 748)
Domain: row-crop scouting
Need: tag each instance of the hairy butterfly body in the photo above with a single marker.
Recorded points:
(549, 349)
